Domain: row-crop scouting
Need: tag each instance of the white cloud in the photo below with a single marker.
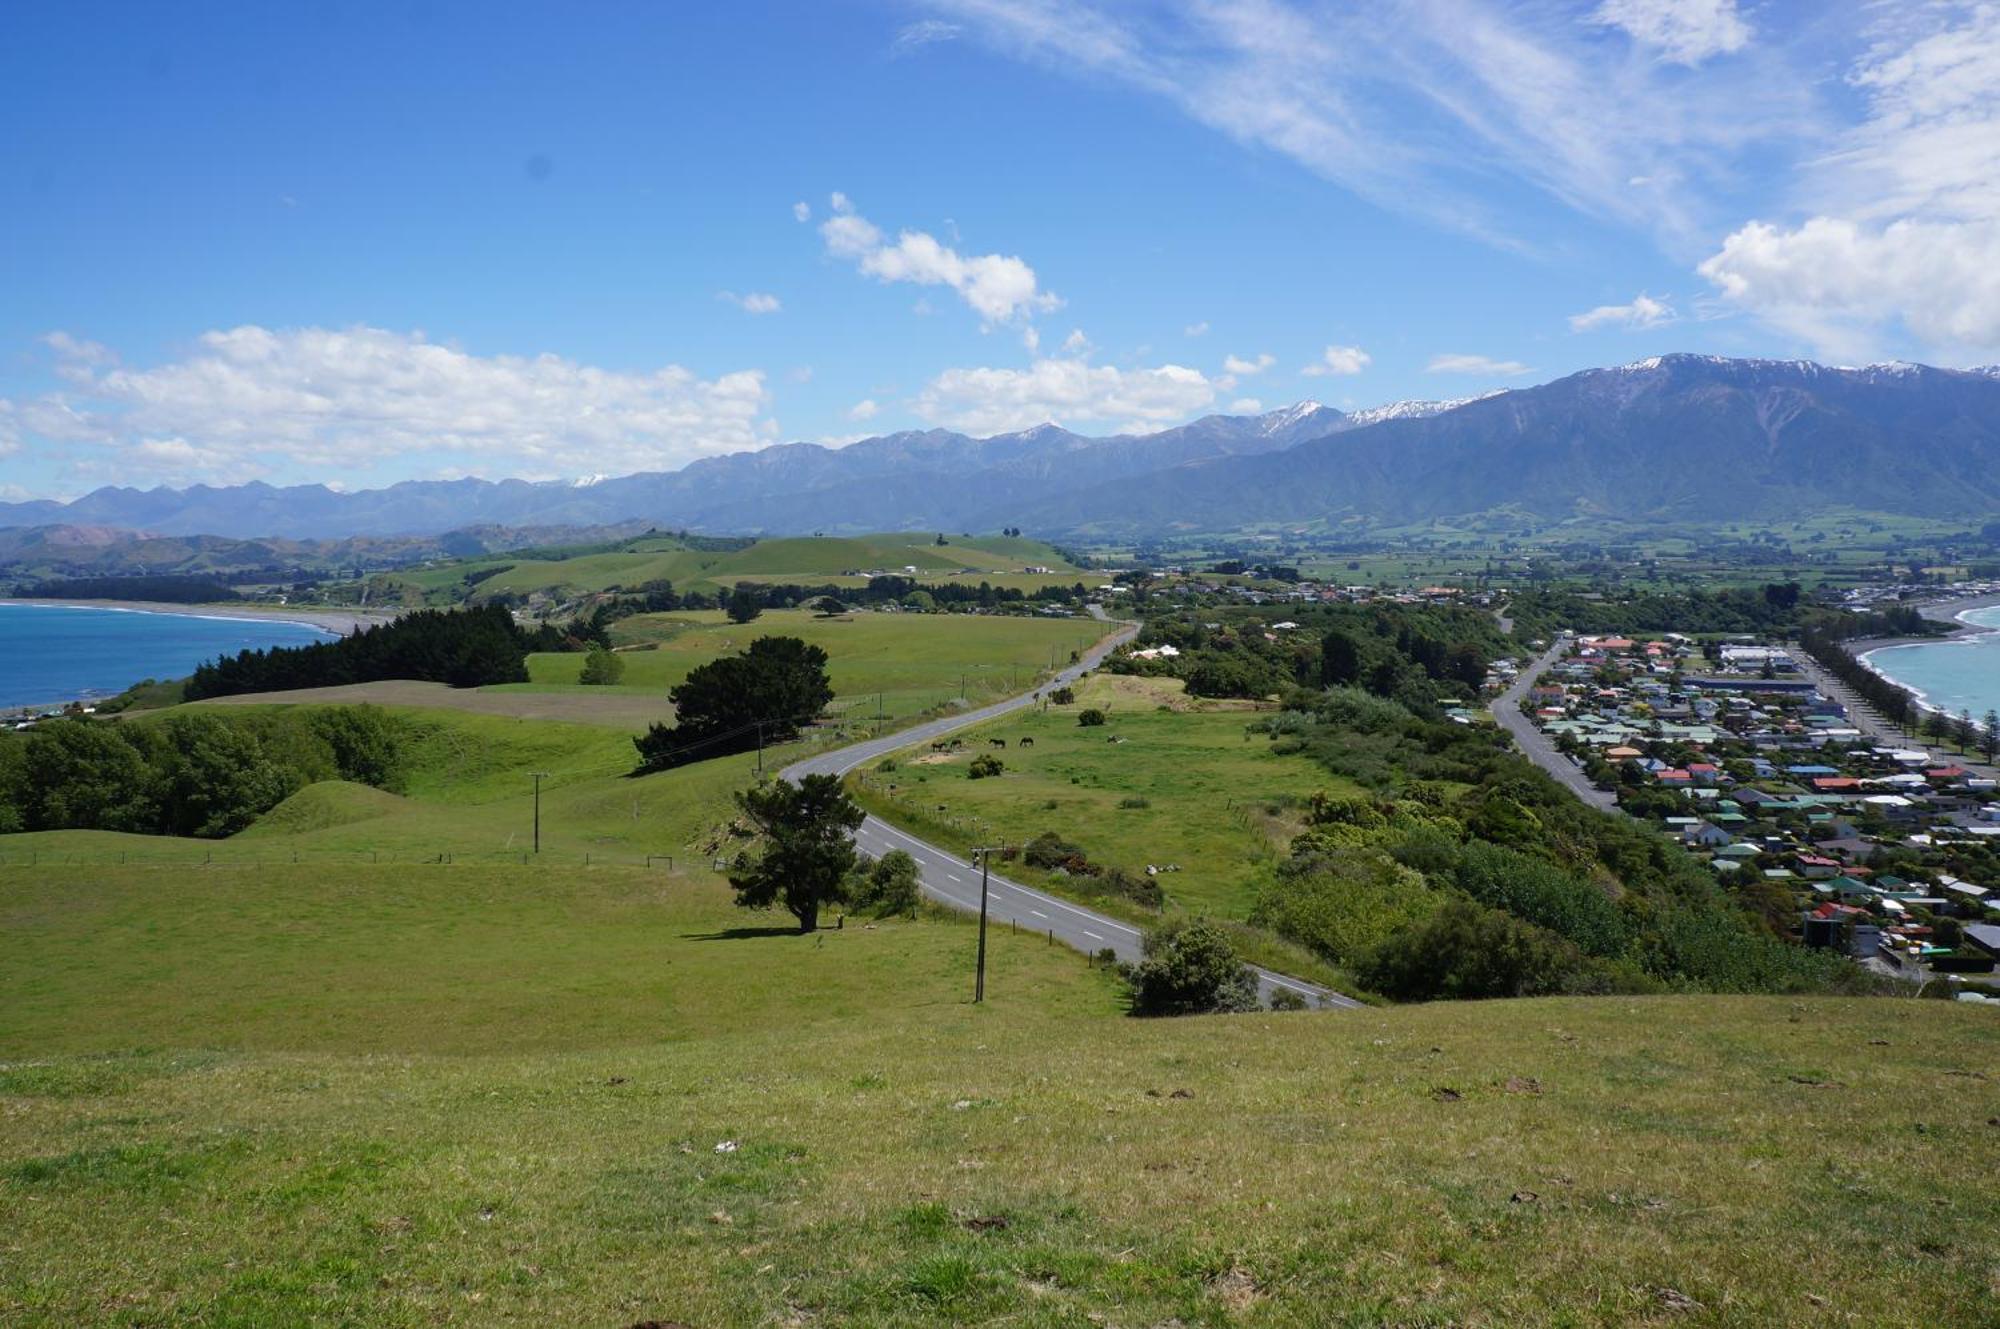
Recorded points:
(1339, 360)
(249, 400)
(1902, 232)
(1241, 368)
(1833, 280)
(1196, 329)
(1031, 338)
(1246, 406)
(914, 37)
(752, 302)
(865, 409)
(1076, 343)
(802, 211)
(1642, 313)
(1475, 364)
(1070, 392)
(1000, 288)
(1684, 31)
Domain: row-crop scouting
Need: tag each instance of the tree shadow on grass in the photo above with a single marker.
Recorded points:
(743, 934)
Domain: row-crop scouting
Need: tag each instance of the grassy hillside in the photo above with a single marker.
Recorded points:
(809, 559)
(475, 1096)
(1179, 786)
(914, 660)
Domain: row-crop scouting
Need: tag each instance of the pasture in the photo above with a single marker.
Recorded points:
(1168, 781)
(914, 661)
(313, 1075)
(808, 559)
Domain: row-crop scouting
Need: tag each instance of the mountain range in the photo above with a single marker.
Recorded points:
(1680, 438)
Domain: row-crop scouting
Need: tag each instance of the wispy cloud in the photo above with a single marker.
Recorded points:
(752, 302)
(1684, 31)
(914, 37)
(1438, 108)
(1068, 391)
(1476, 364)
(1641, 313)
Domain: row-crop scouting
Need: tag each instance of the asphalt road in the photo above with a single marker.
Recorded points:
(1535, 745)
(953, 881)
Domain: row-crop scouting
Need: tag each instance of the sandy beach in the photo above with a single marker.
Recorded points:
(341, 621)
(1946, 611)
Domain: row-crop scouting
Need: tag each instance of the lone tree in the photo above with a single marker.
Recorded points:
(1191, 968)
(744, 604)
(732, 704)
(807, 851)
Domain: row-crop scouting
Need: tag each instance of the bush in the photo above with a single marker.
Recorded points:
(1190, 968)
(1343, 902)
(1049, 851)
(1090, 717)
(1465, 951)
(889, 887)
(984, 766)
(1131, 801)
(601, 668)
(1063, 696)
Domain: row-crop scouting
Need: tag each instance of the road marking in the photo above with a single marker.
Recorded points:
(1088, 933)
(1038, 913)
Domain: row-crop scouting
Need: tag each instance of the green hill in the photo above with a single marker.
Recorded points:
(476, 1095)
(327, 803)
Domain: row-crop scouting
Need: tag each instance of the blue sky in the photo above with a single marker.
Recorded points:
(361, 243)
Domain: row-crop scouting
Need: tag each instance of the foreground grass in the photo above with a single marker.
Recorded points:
(814, 1134)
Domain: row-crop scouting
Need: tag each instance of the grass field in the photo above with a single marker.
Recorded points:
(242, 1090)
(1183, 786)
(915, 661)
(812, 559)
(476, 1096)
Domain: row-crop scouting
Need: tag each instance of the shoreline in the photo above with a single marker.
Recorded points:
(334, 623)
(337, 622)
(1948, 611)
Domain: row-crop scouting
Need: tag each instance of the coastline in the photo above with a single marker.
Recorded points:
(333, 622)
(1948, 611)
(339, 622)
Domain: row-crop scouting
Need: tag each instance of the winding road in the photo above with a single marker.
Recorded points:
(1535, 744)
(952, 881)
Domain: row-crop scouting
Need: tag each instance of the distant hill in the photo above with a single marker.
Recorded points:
(1675, 438)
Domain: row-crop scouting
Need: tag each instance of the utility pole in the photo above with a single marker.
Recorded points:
(985, 867)
(539, 777)
(760, 749)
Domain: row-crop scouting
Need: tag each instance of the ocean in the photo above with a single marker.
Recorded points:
(1953, 676)
(52, 653)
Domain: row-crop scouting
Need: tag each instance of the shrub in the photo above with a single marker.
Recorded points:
(601, 668)
(1135, 801)
(1284, 999)
(889, 886)
(1090, 717)
(984, 766)
(1049, 851)
(1465, 951)
(1343, 902)
(886, 766)
(1190, 968)
(1063, 696)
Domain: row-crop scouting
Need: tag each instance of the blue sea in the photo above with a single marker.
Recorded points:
(51, 653)
(1953, 676)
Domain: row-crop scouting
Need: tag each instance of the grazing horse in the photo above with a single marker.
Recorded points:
(1026, 742)
(997, 742)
